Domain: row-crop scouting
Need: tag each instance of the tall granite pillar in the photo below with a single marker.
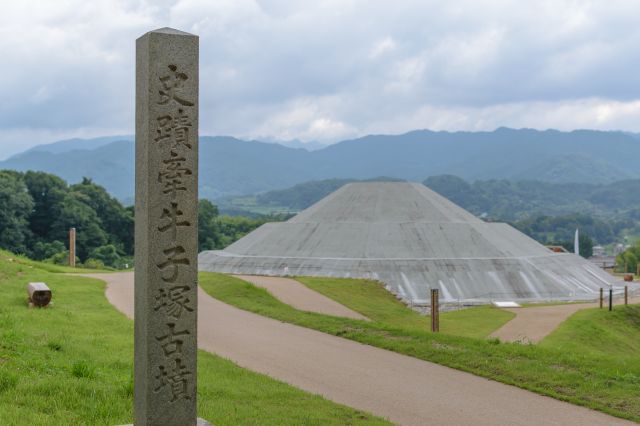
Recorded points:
(166, 228)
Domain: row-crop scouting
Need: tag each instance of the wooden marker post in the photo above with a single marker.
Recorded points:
(601, 297)
(435, 308)
(626, 294)
(72, 247)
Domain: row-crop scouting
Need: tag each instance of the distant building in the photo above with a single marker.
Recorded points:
(604, 262)
(619, 248)
(598, 251)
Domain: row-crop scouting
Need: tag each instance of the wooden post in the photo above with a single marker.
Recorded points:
(626, 294)
(610, 298)
(72, 247)
(435, 308)
(601, 297)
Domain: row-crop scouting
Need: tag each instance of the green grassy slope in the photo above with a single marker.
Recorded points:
(47, 267)
(372, 300)
(71, 364)
(598, 331)
(605, 383)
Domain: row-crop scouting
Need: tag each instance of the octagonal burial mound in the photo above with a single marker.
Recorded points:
(412, 240)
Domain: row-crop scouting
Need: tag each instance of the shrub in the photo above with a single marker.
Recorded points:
(93, 264)
(61, 259)
(44, 250)
(108, 255)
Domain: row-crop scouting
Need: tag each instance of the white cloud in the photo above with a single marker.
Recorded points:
(307, 119)
(381, 47)
(329, 69)
(591, 113)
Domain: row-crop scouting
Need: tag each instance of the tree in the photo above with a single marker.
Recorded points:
(116, 220)
(47, 192)
(217, 232)
(229, 229)
(108, 255)
(627, 261)
(207, 235)
(75, 212)
(45, 250)
(16, 205)
(586, 245)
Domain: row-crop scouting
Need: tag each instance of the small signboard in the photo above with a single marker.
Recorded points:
(506, 305)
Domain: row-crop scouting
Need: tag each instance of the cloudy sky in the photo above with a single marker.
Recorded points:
(326, 70)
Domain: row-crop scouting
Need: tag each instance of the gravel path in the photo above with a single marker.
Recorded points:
(405, 390)
(535, 323)
(301, 297)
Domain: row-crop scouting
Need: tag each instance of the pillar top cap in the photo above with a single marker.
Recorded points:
(170, 31)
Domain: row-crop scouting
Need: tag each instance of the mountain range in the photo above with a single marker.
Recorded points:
(230, 166)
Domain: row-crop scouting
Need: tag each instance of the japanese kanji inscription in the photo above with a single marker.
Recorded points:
(166, 228)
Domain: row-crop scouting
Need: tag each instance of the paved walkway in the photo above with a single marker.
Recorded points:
(405, 390)
(301, 297)
(535, 323)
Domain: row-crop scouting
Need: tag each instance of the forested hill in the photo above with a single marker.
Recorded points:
(496, 198)
(512, 200)
(229, 166)
(37, 209)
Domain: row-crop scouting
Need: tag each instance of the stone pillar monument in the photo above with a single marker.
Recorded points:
(166, 232)
(72, 247)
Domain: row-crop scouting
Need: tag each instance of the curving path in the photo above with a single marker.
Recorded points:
(405, 390)
(535, 323)
(301, 297)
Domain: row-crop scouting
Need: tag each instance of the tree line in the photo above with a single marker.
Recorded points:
(629, 260)
(544, 211)
(37, 210)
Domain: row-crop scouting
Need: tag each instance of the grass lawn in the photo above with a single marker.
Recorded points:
(609, 384)
(598, 331)
(71, 364)
(373, 301)
(6, 256)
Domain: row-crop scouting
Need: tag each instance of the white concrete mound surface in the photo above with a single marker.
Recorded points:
(412, 240)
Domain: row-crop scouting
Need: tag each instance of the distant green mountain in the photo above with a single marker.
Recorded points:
(109, 165)
(76, 144)
(230, 166)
